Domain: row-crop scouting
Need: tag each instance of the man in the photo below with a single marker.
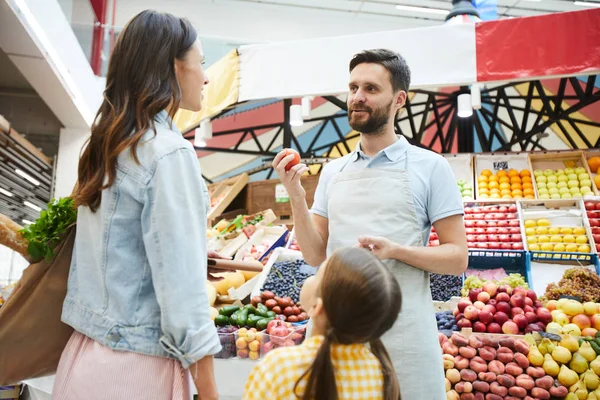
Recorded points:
(384, 196)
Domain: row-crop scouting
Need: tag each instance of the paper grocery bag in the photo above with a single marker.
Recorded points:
(32, 336)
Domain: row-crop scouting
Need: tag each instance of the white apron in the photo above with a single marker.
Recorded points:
(379, 202)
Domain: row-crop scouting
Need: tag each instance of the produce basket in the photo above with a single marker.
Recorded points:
(503, 177)
(493, 226)
(462, 166)
(559, 170)
(589, 154)
(255, 345)
(10, 392)
(279, 254)
(512, 262)
(555, 231)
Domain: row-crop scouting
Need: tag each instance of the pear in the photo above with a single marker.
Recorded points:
(562, 355)
(597, 393)
(579, 389)
(578, 363)
(592, 396)
(567, 377)
(546, 346)
(550, 366)
(535, 357)
(587, 351)
(530, 340)
(569, 343)
(591, 380)
(571, 396)
(595, 365)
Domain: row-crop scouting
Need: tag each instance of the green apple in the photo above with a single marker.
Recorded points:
(561, 185)
(577, 196)
(553, 191)
(585, 182)
(563, 178)
(551, 185)
(560, 172)
(580, 170)
(541, 178)
(468, 186)
(567, 196)
(538, 172)
(588, 194)
(545, 196)
(573, 183)
(467, 197)
(563, 190)
(574, 190)
(552, 178)
(572, 177)
(543, 191)
(467, 193)
(583, 177)
(548, 172)
(555, 196)
(585, 189)
(541, 185)
(461, 182)
(569, 171)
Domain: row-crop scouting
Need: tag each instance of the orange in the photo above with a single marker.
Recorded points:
(493, 185)
(517, 192)
(484, 191)
(516, 186)
(526, 179)
(530, 196)
(495, 196)
(505, 191)
(517, 196)
(515, 179)
(525, 172)
(507, 196)
(493, 178)
(496, 190)
(483, 185)
(486, 172)
(528, 191)
(594, 164)
(502, 173)
(482, 178)
(513, 172)
(505, 185)
(504, 179)
(527, 185)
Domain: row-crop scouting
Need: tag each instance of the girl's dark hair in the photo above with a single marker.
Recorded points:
(362, 300)
(140, 83)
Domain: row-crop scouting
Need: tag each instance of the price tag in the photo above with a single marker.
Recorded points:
(281, 195)
(500, 165)
(570, 164)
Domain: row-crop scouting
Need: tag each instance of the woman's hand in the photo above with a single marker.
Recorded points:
(210, 271)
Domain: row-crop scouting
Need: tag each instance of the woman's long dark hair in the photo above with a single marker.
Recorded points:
(355, 284)
(140, 83)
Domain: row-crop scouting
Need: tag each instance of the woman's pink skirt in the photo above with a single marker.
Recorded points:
(91, 371)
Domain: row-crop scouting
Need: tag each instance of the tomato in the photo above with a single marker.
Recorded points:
(295, 160)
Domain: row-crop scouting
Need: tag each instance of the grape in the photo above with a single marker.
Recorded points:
(580, 282)
(227, 339)
(286, 278)
(443, 287)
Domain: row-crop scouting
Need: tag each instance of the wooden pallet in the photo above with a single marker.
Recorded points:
(228, 189)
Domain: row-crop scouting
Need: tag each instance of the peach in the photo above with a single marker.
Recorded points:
(582, 321)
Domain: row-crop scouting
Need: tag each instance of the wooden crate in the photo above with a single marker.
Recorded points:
(500, 161)
(542, 160)
(462, 166)
(226, 191)
(589, 154)
(10, 392)
(261, 196)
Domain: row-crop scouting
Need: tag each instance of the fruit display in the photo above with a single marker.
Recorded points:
(572, 317)
(446, 321)
(227, 338)
(247, 343)
(493, 227)
(477, 281)
(494, 367)
(281, 334)
(504, 184)
(284, 308)
(594, 164)
(542, 236)
(444, 287)
(286, 278)
(573, 365)
(502, 309)
(466, 189)
(246, 316)
(566, 183)
(580, 282)
(592, 209)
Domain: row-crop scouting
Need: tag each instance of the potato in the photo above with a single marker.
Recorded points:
(449, 348)
(475, 342)
(506, 380)
(467, 352)
(487, 353)
(522, 360)
(525, 381)
(558, 391)
(536, 372)
(545, 383)
(492, 396)
(507, 342)
(517, 392)
(459, 340)
(461, 363)
(496, 367)
(496, 388)
(488, 377)
(521, 346)
(453, 375)
(468, 375)
(539, 393)
(513, 369)
(467, 396)
(478, 365)
(464, 387)
(452, 395)
(481, 386)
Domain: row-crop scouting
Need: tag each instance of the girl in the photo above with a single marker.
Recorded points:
(353, 300)
(136, 293)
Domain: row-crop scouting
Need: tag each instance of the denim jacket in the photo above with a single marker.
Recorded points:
(138, 273)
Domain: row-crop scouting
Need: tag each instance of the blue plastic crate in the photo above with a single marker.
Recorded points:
(563, 257)
(513, 262)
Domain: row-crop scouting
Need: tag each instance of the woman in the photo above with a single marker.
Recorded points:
(137, 286)
(353, 300)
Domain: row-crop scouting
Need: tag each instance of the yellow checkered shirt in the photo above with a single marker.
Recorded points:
(357, 372)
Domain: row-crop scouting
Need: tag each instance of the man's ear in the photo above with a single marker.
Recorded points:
(401, 99)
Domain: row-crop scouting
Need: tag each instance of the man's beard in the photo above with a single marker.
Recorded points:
(375, 122)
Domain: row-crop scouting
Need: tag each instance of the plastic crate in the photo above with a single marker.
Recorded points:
(568, 258)
(513, 262)
(256, 345)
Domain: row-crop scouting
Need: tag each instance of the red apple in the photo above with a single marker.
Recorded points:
(488, 217)
(494, 209)
(511, 216)
(528, 302)
(455, 312)
(521, 321)
(471, 238)
(503, 307)
(468, 217)
(503, 209)
(481, 224)
(464, 303)
(479, 216)
(504, 238)
(598, 206)
(528, 309)
(479, 327)
(482, 246)
(491, 230)
(594, 222)
(503, 223)
(464, 323)
(482, 238)
(472, 313)
(506, 246)
(485, 316)
(518, 246)
(538, 304)
(484, 296)
(513, 223)
(469, 210)
(480, 230)
(531, 317)
(590, 205)
(517, 238)
(459, 316)
(492, 224)
(500, 216)
(495, 245)
(502, 297)
(473, 293)
(505, 288)
(510, 328)
(516, 300)
(479, 305)
(520, 291)
(514, 230)
(470, 231)
(512, 208)
(489, 308)
(516, 311)
(490, 288)
(494, 328)
(493, 238)
(533, 328)
(503, 231)
(472, 245)
(492, 302)
(500, 317)
(469, 223)
(531, 294)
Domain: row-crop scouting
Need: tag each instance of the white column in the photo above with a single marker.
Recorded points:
(69, 148)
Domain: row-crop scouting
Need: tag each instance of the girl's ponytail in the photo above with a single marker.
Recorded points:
(320, 384)
(391, 387)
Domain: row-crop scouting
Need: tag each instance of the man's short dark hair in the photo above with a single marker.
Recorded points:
(393, 62)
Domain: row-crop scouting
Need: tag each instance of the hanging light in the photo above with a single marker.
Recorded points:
(463, 11)
(6, 192)
(296, 115)
(32, 206)
(476, 96)
(306, 106)
(203, 133)
(465, 109)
